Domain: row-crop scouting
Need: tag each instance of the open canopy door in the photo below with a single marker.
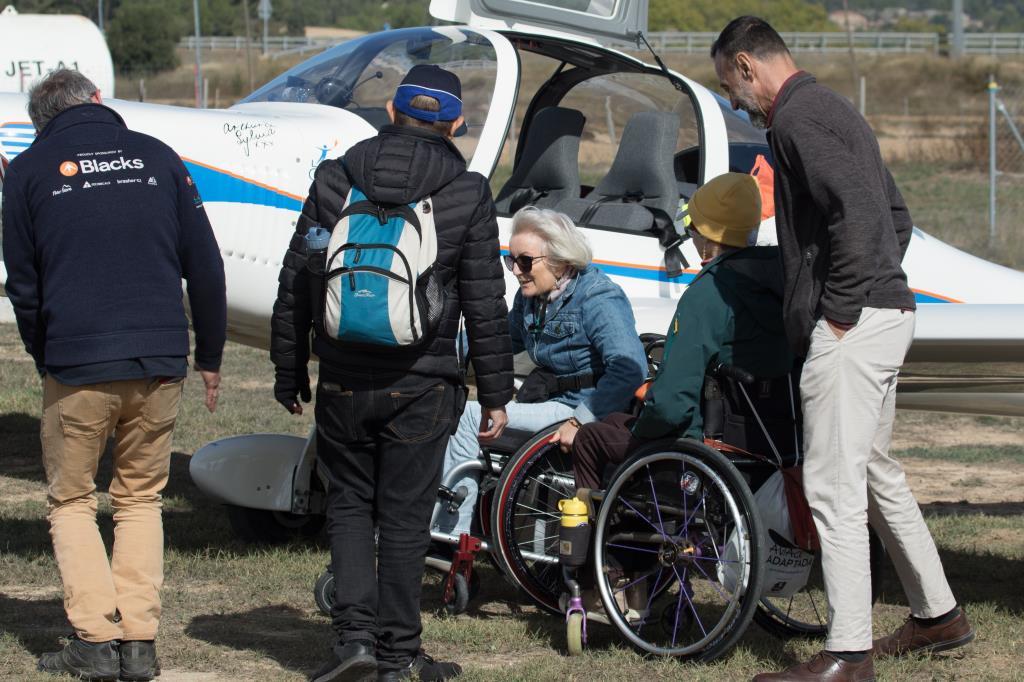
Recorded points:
(595, 19)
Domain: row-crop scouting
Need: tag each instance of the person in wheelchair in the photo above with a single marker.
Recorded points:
(578, 328)
(730, 314)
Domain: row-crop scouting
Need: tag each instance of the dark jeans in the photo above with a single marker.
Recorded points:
(381, 437)
(598, 444)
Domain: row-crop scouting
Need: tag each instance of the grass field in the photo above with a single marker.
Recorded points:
(237, 612)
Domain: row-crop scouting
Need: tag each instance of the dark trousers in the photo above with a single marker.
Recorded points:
(599, 444)
(381, 437)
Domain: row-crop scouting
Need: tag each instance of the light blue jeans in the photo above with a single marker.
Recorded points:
(464, 446)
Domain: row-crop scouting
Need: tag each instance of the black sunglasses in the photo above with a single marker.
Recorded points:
(524, 262)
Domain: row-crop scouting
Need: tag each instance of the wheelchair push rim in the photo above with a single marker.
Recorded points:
(671, 512)
(525, 517)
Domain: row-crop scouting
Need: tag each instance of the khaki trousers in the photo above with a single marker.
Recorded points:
(77, 421)
(848, 391)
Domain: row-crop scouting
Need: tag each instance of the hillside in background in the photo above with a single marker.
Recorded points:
(985, 15)
(142, 33)
(226, 17)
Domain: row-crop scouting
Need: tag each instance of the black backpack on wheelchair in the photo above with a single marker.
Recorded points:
(754, 414)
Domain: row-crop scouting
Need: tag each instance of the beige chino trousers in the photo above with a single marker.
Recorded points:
(77, 421)
(848, 392)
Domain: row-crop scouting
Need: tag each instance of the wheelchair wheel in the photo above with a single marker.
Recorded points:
(805, 614)
(460, 596)
(678, 547)
(323, 592)
(525, 517)
(574, 634)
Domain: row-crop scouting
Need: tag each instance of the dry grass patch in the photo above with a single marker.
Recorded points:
(237, 612)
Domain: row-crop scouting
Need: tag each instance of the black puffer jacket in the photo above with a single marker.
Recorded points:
(400, 165)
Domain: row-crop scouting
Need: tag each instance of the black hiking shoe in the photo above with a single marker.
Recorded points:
(351, 662)
(425, 668)
(138, 661)
(85, 660)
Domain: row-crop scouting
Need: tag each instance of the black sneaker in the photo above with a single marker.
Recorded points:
(425, 667)
(84, 660)
(351, 662)
(138, 661)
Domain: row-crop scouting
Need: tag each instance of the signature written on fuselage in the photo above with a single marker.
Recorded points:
(251, 136)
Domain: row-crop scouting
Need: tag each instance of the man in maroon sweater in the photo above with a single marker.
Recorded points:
(843, 229)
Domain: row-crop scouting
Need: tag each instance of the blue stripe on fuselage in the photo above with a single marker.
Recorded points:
(216, 185)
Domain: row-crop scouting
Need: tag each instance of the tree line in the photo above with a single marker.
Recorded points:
(142, 34)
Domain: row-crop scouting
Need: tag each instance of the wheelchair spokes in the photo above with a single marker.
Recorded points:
(676, 546)
(526, 517)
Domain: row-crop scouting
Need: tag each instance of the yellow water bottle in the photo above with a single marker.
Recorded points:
(573, 532)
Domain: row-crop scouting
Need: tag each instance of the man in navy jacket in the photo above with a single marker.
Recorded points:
(100, 225)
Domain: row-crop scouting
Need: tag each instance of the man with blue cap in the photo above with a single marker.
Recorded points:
(384, 413)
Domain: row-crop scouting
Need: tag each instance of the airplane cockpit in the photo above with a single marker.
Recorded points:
(612, 142)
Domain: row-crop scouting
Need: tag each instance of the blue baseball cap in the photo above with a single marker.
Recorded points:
(431, 80)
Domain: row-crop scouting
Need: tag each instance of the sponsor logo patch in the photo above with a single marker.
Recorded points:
(151, 181)
(69, 168)
(63, 190)
(118, 164)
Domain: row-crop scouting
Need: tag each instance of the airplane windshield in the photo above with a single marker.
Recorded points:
(361, 75)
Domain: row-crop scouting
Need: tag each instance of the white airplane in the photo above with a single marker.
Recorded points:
(652, 134)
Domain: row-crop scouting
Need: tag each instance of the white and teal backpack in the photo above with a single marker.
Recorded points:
(381, 287)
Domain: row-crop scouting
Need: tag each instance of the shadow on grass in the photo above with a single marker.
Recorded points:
(23, 459)
(36, 623)
(279, 632)
(974, 577)
(962, 508)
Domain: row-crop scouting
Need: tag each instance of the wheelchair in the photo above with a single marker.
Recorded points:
(677, 529)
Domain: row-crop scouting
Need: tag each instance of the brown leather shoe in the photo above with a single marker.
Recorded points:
(824, 667)
(913, 638)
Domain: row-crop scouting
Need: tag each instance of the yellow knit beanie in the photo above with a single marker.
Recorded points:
(727, 208)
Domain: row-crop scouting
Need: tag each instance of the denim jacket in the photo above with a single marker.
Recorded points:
(588, 329)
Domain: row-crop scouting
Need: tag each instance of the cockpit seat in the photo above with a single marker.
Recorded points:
(639, 193)
(548, 168)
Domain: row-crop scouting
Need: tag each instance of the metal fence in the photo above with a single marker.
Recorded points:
(1006, 165)
(274, 43)
(994, 43)
(700, 43)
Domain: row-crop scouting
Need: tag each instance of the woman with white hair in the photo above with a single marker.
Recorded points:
(578, 328)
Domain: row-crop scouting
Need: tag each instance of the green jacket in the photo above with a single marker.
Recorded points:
(731, 313)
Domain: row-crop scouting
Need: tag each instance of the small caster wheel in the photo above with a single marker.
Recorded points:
(460, 596)
(323, 592)
(574, 633)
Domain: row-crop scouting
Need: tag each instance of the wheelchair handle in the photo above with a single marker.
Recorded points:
(736, 373)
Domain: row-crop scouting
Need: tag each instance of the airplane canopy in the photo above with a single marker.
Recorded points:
(593, 19)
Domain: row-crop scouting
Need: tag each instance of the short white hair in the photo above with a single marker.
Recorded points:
(565, 243)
